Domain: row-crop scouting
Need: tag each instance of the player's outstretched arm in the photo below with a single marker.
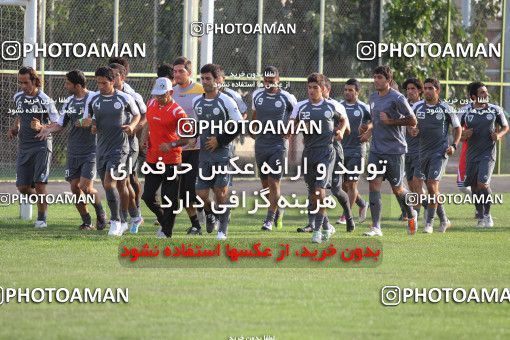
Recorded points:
(47, 129)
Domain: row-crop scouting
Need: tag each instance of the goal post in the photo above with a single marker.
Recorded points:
(30, 25)
(30, 37)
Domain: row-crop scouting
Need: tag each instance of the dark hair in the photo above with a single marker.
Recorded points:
(394, 85)
(354, 82)
(119, 67)
(33, 75)
(385, 70)
(316, 78)
(221, 71)
(121, 61)
(434, 82)
(327, 83)
(165, 70)
(183, 61)
(416, 82)
(271, 70)
(77, 78)
(473, 88)
(212, 69)
(106, 72)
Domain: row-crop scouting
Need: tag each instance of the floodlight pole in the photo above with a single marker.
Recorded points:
(321, 35)
(206, 43)
(116, 21)
(260, 15)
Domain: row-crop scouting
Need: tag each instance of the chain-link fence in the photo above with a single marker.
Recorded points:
(159, 24)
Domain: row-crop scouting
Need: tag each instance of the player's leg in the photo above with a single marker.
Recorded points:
(188, 187)
(433, 192)
(42, 205)
(343, 200)
(221, 197)
(151, 185)
(263, 160)
(269, 219)
(279, 158)
(72, 175)
(334, 186)
(24, 178)
(375, 202)
(202, 188)
(87, 174)
(414, 181)
(327, 161)
(471, 180)
(317, 197)
(351, 185)
(169, 192)
(112, 197)
(41, 161)
(124, 194)
(81, 207)
(483, 185)
(336, 189)
(134, 203)
(274, 214)
(395, 171)
(210, 218)
(134, 188)
(137, 187)
(374, 198)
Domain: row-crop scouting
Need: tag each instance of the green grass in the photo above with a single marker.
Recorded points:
(289, 303)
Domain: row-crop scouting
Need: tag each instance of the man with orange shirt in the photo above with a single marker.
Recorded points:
(163, 146)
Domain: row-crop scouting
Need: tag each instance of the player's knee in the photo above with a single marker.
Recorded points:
(40, 188)
(25, 189)
(203, 195)
(432, 186)
(398, 191)
(374, 185)
(85, 187)
(265, 183)
(483, 186)
(321, 194)
(75, 188)
(350, 185)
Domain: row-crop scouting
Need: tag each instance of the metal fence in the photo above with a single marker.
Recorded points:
(325, 40)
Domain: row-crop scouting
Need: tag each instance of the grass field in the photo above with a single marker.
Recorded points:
(287, 303)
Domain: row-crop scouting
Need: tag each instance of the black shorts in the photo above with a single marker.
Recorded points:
(80, 166)
(479, 171)
(273, 157)
(350, 163)
(109, 163)
(324, 158)
(33, 167)
(433, 166)
(394, 164)
(188, 179)
(412, 167)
